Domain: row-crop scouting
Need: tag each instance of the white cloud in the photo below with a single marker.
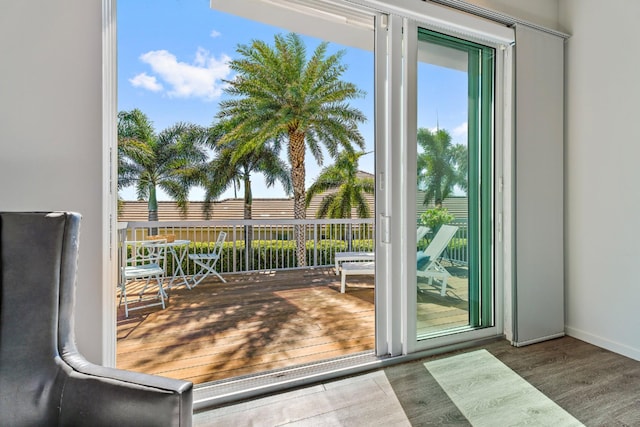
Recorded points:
(201, 79)
(460, 130)
(215, 34)
(146, 81)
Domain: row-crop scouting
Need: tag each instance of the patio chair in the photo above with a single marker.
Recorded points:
(207, 261)
(341, 258)
(429, 260)
(421, 232)
(148, 262)
(44, 380)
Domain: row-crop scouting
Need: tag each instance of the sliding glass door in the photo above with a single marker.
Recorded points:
(454, 181)
(432, 103)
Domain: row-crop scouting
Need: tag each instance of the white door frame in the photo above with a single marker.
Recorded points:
(395, 135)
(407, 174)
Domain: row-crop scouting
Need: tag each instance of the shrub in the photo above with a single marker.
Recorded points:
(272, 254)
(436, 217)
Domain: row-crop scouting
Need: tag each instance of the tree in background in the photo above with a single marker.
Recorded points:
(441, 165)
(461, 158)
(344, 188)
(226, 170)
(282, 97)
(170, 160)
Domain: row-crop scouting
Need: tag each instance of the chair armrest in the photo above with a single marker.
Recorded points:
(99, 396)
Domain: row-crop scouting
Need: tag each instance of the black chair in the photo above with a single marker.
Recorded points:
(43, 378)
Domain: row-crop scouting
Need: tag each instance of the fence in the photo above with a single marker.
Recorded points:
(259, 245)
(266, 245)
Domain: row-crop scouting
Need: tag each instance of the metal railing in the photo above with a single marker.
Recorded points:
(272, 242)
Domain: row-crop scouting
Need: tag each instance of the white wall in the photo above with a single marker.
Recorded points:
(602, 143)
(51, 130)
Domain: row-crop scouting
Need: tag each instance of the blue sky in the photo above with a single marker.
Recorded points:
(173, 55)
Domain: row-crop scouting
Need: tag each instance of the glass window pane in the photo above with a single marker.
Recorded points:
(454, 182)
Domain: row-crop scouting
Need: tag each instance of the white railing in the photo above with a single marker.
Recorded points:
(273, 245)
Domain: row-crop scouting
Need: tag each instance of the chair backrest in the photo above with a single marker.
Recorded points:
(145, 252)
(440, 241)
(421, 232)
(217, 249)
(38, 253)
(44, 381)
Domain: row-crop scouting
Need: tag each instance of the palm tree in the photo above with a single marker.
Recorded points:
(437, 172)
(128, 147)
(461, 156)
(169, 160)
(344, 187)
(281, 97)
(226, 170)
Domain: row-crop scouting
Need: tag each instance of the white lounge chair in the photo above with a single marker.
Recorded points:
(352, 257)
(367, 257)
(207, 261)
(360, 267)
(421, 231)
(432, 268)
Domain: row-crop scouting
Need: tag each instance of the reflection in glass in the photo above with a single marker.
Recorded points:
(454, 139)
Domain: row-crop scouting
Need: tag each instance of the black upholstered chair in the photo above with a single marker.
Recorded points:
(44, 381)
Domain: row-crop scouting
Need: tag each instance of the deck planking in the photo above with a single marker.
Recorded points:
(262, 321)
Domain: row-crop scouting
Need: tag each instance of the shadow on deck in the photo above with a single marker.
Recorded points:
(263, 321)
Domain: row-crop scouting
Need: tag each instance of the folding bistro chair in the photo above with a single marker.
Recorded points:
(207, 261)
(146, 262)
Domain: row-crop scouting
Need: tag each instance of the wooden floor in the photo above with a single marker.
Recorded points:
(595, 386)
(436, 313)
(251, 324)
(264, 321)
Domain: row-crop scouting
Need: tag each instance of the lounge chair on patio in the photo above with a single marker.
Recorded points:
(421, 232)
(365, 257)
(360, 267)
(207, 261)
(428, 260)
(341, 258)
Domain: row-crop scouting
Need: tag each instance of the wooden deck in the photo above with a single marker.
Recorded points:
(436, 313)
(259, 322)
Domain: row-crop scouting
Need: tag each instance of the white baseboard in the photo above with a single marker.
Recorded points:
(537, 340)
(616, 347)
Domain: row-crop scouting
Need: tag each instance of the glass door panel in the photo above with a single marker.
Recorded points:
(455, 80)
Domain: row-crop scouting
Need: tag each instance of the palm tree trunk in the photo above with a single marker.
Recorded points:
(296, 159)
(438, 195)
(248, 230)
(153, 208)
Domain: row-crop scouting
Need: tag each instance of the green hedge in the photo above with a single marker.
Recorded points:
(278, 254)
(274, 254)
(457, 243)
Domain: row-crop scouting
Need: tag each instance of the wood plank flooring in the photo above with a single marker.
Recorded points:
(264, 321)
(437, 313)
(597, 387)
(251, 324)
